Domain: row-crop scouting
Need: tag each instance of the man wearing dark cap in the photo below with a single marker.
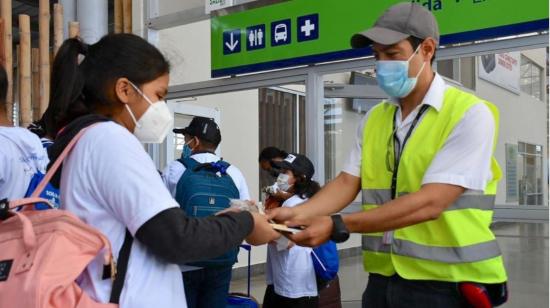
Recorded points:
(423, 161)
(206, 283)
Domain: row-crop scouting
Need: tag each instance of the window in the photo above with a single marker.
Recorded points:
(461, 70)
(512, 163)
(530, 174)
(342, 115)
(531, 80)
(282, 122)
(445, 68)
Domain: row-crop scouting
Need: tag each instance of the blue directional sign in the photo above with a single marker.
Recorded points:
(280, 32)
(255, 37)
(231, 41)
(308, 27)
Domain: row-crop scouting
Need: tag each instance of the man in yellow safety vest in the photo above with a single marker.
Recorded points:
(423, 161)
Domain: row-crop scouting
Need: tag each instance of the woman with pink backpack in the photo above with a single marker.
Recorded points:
(117, 86)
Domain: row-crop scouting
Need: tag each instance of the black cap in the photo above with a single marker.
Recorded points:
(297, 163)
(203, 128)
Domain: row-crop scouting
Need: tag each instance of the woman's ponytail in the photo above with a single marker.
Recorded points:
(67, 84)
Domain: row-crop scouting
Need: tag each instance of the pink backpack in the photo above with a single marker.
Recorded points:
(42, 253)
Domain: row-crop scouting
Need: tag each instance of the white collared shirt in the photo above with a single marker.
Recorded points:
(465, 158)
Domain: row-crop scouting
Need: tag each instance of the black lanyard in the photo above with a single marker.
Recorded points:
(400, 149)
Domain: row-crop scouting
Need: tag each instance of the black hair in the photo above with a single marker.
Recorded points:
(305, 187)
(208, 145)
(3, 88)
(271, 152)
(37, 127)
(80, 89)
(415, 42)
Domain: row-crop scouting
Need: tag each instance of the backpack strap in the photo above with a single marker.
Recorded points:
(64, 137)
(189, 163)
(121, 268)
(53, 169)
(223, 163)
(218, 167)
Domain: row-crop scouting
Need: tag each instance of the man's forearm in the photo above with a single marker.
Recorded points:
(411, 209)
(332, 198)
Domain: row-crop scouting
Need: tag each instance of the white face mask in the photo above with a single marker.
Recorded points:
(155, 123)
(282, 182)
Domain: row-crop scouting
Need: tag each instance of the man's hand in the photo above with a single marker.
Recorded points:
(317, 231)
(281, 214)
(263, 232)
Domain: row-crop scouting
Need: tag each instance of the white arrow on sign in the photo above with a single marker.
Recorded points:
(233, 43)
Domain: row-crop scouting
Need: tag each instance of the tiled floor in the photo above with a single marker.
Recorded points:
(525, 250)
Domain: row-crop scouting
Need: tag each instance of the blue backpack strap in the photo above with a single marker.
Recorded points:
(221, 166)
(189, 163)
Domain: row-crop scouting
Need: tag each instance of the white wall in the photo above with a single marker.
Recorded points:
(187, 48)
(522, 118)
(170, 6)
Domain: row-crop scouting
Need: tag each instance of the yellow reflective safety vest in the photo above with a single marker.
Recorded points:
(456, 247)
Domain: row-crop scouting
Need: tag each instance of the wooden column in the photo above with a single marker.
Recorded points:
(74, 29)
(118, 16)
(25, 109)
(35, 63)
(57, 27)
(44, 45)
(6, 11)
(127, 16)
(2, 44)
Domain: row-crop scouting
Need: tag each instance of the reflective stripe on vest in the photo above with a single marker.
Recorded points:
(471, 253)
(480, 202)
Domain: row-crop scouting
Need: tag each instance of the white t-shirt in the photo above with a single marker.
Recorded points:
(111, 183)
(291, 271)
(173, 172)
(21, 156)
(465, 158)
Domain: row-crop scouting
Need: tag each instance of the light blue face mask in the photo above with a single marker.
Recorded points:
(187, 151)
(393, 76)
